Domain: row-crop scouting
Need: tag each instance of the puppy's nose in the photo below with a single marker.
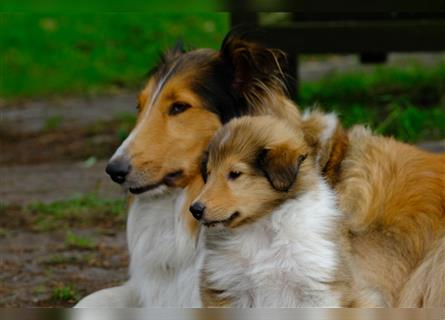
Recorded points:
(197, 209)
(118, 169)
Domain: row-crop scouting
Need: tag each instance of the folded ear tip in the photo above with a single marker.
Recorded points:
(179, 45)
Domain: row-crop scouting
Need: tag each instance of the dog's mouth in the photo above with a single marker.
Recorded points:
(168, 180)
(224, 222)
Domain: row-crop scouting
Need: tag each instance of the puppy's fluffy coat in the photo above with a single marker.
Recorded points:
(274, 236)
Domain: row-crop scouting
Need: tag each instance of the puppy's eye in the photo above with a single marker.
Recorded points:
(234, 175)
(178, 107)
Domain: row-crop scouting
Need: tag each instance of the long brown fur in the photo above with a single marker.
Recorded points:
(426, 285)
(394, 197)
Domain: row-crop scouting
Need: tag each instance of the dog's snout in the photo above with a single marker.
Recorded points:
(197, 209)
(118, 169)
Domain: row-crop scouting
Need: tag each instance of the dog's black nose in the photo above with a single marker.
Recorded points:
(197, 209)
(118, 169)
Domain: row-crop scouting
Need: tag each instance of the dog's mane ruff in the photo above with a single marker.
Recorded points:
(266, 89)
(285, 259)
(259, 74)
(262, 94)
(164, 260)
(422, 289)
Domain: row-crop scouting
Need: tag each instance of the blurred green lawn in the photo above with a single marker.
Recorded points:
(83, 53)
(408, 102)
(58, 54)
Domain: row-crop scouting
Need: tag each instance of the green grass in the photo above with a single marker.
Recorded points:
(408, 102)
(3, 231)
(73, 240)
(52, 123)
(65, 293)
(83, 53)
(39, 289)
(82, 210)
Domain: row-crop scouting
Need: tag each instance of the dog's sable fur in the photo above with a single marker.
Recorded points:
(393, 195)
(285, 246)
(187, 98)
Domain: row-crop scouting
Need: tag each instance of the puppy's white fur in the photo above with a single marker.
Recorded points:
(284, 259)
(164, 260)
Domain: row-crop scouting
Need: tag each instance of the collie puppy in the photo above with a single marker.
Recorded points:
(273, 235)
(188, 97)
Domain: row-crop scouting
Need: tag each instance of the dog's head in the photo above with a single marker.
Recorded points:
(187, 98)
(253, 165)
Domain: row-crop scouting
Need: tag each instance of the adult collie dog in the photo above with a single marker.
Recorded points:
(187, 98)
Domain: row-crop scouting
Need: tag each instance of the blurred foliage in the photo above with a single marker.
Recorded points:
(407, 102)
(65, 293)
(110, 6)
(57, 54)
(88, 53)
(73, 240)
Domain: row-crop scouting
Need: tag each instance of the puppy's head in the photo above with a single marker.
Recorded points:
(253, 165)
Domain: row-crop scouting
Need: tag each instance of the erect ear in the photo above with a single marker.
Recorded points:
(280, 165)
(328, 141)
(252, 62)
(174, 52)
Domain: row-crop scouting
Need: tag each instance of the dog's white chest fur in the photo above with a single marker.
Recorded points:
(283, 260)
(165, 262)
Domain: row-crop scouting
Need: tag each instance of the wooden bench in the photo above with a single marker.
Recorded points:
(371, 35)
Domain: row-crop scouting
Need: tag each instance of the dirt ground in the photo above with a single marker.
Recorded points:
(55, 149)
(41, 164)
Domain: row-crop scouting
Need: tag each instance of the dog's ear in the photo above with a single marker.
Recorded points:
(280, 164)
(203, 165)
(174, 52)
(328, 141)
(252, 63)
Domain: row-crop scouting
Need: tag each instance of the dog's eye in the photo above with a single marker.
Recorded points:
(178, 107)
(234, 175)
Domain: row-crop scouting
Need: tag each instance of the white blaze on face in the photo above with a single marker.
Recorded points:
(122, 150)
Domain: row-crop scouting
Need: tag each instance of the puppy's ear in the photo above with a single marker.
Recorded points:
(203, 165)
(252, 63)
(328, 141)
(174, 52)
(280, 165)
